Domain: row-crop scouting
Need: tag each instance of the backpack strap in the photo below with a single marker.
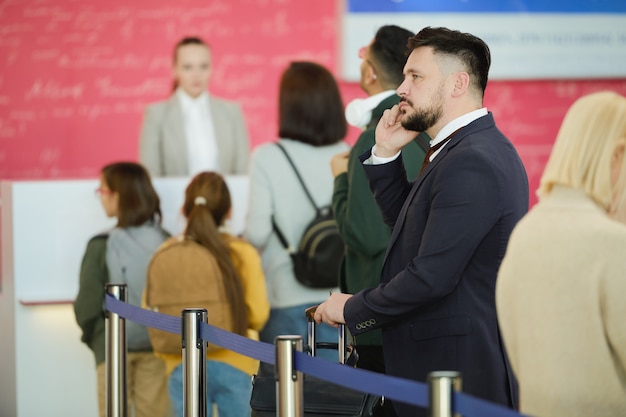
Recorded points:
(308, 194)
(281, 236)
(279, 233)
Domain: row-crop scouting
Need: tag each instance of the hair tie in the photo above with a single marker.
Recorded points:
(199, 201)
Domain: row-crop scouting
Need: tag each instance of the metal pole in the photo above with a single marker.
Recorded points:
(441, 385)
(289, 385)
(194, 363)
(312, 336)
(311, 329)
(115, 356)
(341, 346)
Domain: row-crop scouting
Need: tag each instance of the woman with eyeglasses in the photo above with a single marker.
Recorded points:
(122, 255)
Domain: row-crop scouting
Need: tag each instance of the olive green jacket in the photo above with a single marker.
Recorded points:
(88, 306)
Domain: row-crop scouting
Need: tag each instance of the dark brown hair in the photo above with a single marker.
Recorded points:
(388, 54)
(310, 106)
(469, 49)
(189, 40)
(138, 201)
(207, 202)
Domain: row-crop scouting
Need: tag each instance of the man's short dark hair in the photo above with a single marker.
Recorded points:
(388, 54)
(469, 49)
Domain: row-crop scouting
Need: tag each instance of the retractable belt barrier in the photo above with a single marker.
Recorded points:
(399, 389)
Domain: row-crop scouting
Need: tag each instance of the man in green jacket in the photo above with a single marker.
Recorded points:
(358, 217)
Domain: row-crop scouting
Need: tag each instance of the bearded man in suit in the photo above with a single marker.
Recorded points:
(436, 300)
(359, 221)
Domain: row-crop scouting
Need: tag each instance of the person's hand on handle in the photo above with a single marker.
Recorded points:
(391, 137)
(331, 310)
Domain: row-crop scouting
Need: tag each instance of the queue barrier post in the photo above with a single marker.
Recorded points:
(289, 385)
(194, 363)
(441, 385)
(115, 356)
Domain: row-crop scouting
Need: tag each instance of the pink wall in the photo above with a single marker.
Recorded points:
(75, 76)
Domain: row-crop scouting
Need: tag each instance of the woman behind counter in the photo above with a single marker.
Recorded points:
(193, 131)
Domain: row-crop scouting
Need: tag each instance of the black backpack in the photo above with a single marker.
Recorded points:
(317, 259)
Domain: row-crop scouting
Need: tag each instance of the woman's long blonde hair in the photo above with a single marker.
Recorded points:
(592, 129)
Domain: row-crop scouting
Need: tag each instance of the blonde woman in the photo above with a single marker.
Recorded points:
(561, 286)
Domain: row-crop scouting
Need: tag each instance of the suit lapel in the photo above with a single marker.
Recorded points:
(219, 116)
(174, 135)
(417, 183)
(402, 216)
(479, 124)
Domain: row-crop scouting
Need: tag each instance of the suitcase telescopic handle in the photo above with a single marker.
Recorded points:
(311, 335)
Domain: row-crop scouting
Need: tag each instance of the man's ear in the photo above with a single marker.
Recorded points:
(371, 75)
(461, 83)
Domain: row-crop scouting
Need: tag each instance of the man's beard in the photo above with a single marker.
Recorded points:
(423, 119)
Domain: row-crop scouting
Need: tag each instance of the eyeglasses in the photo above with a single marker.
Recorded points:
(102, 191)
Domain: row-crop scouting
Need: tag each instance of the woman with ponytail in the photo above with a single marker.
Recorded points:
(207, 205)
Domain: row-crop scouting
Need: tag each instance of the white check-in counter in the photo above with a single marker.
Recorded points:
(45, 226)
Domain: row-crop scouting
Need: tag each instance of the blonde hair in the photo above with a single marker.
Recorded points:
(581, 157)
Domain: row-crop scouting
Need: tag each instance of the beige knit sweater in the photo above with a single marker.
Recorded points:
(561, 299)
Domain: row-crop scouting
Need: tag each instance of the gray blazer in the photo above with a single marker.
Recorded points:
(162, 146)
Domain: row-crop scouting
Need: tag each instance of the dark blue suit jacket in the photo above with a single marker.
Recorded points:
(436, 300)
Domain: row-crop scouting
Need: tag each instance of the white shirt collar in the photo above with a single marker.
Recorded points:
(458, 123)
(189, 102)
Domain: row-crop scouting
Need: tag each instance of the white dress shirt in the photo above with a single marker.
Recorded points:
(446, 131)
(202, 149)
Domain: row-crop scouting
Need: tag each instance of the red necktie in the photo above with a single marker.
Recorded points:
(434, 148)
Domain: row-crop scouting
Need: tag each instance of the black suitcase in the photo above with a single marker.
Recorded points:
(321, 398)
